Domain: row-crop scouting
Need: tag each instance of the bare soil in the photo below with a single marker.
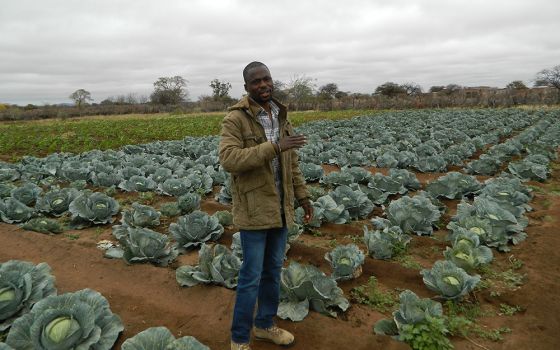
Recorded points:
(145, 296)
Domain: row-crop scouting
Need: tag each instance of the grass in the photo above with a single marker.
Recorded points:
(370, 295)
(77, 135)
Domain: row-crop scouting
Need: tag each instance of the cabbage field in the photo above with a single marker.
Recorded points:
(433, 229)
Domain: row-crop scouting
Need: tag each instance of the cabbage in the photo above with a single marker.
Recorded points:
(93, 208)
(160, 338)
(194, 229)
(57, 201)
(216, 265)
(448, 280)
(22, 284)
(140, 216)
(27, 194)
(141, 245)
(79, 320)
(14, 211)
(304, 287)
(346, 262)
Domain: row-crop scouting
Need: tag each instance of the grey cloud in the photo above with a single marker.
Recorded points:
(50, 48)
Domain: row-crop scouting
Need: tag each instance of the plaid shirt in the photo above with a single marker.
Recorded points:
(272, 130)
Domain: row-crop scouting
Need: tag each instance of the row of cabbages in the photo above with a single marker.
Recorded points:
(35, 317)
(427, 141)
(539, 143)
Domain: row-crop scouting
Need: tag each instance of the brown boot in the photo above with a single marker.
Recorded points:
(237, 346)
(274, 334)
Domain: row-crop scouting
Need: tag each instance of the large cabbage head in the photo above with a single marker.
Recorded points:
(139, 245)
(14, 211)
(160, 338)
(79, 320)
(311, 172)
(138, 183)
(22, 284)
(93, 208)
(27, 194)
(174, 187)
(304, 287)
(386, 241)
(216, 265)
(412, 310)
(454, 185)
(346, 262)
(448, 280)
(56, 201)
(140, 216)
(189, 202)
(193, 229)
(357, 203)
(330, 210)
(413, 214)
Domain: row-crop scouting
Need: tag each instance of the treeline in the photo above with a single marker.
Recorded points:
(465, 97)
(170, 95)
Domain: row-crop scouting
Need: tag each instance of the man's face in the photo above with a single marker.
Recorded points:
(259, 84)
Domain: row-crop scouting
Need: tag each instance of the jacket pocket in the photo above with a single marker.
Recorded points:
(250, 140)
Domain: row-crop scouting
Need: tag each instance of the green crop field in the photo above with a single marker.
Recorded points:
(40, 138)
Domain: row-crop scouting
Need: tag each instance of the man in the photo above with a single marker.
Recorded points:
(257, 147)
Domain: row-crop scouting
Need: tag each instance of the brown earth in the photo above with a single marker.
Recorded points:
(145, 296)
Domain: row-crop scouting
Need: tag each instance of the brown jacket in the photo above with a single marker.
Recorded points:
(246, 154)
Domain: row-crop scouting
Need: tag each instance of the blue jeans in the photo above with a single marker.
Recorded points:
(259, 280)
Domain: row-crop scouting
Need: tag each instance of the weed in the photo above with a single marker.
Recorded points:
(333, 243)
(507, 310)
(426, 335)
(72, 236)
(370, 295)
(516, 264)
(98, 232)
(355, 239)
(491, 334)
(147, 198)
(408, 262)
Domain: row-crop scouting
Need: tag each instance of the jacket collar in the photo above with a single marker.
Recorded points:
(252, 108)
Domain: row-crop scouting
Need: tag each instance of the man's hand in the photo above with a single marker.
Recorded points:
(308, 209)
(289, 142)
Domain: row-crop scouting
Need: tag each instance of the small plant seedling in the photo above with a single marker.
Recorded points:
(371, 295)
(72, 236)
(507, 310)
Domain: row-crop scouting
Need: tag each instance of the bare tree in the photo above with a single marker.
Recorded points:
(551, 77)
(412, 89)
(300, 89)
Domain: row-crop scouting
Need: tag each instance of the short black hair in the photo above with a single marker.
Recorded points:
(252, 65)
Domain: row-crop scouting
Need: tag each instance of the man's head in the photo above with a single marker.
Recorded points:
(258, 82)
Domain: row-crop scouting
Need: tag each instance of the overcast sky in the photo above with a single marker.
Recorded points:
(48, 48)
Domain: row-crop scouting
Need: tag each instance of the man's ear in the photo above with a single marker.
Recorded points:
(245, 87)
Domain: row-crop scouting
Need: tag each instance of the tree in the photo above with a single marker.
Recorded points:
(451, 88)
(80, 97)
(389, 89)
(412, 89)
(280, 91)
(549, 77)
(516, 85)
(328, 91)
(300, 89)
(220, 89)
(437, 88)
(169, 90)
